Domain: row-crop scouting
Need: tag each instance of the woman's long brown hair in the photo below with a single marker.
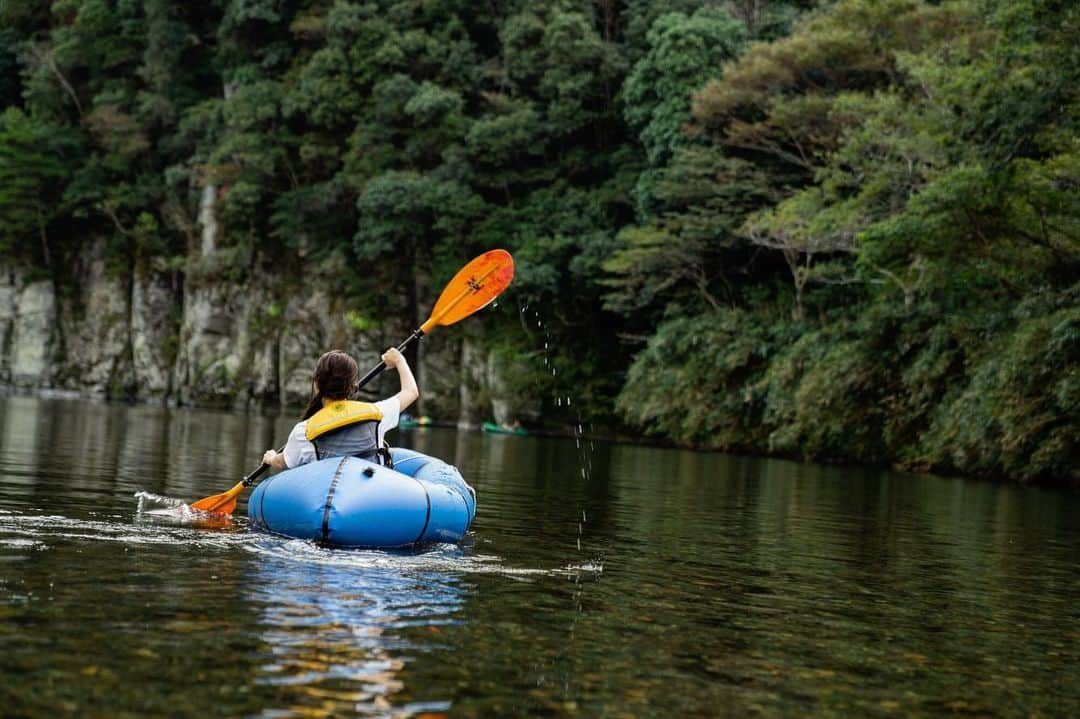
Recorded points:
(335, 377)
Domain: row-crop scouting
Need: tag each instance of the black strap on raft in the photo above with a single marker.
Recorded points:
(427, 519)
(330, 500)
(262, 505)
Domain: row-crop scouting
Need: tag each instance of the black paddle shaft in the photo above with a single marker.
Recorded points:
(248, 480)
(382, 365)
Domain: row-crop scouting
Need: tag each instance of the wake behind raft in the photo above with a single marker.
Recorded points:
(354, 503)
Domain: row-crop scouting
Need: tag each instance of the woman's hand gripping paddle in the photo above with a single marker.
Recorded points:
(474, 287)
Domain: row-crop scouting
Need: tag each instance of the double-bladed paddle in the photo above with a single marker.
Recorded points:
(474, 287)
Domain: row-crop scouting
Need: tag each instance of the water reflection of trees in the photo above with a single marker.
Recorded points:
(95, 449)
(852, 581)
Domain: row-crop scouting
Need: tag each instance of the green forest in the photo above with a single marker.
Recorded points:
(843, 231)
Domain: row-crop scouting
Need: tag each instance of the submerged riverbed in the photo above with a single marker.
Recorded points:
(598, 580)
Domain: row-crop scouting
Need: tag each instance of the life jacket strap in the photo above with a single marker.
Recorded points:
(386, 459)
(378, 456)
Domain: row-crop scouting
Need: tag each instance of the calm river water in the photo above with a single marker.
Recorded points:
(599, 580)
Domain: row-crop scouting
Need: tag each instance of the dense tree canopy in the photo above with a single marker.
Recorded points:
(845, 230)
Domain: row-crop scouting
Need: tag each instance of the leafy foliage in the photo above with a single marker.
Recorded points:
(900, 150)
(33, 173)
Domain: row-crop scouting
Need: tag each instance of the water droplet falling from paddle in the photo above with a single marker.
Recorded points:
(584, 450)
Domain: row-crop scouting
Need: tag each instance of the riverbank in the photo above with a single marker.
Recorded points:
(586, 435)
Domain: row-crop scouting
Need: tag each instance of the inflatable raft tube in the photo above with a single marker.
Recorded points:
(350, 502)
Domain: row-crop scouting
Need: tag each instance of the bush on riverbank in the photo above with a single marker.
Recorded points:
(976, 393)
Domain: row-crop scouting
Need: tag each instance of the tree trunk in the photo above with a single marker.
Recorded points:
(798, 278)
(798, 312)
(46, 255)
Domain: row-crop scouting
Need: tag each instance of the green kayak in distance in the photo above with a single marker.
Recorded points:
(499, 429)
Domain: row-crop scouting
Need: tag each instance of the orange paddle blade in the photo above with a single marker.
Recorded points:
(224, 503)
(472, 289)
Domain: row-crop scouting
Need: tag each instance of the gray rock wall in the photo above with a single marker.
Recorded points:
(9, 310)
(91, 338)
(155, 317)
(160, 337)
(32, 335)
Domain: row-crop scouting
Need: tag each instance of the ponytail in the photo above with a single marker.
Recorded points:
(314, 404)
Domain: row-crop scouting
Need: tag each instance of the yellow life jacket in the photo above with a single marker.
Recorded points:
(346, 428)
(340, 414)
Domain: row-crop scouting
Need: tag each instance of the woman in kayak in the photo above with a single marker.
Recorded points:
(334, 426)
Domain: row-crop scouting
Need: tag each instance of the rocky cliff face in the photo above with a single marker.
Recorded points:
(151, 336)
(27, 323)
